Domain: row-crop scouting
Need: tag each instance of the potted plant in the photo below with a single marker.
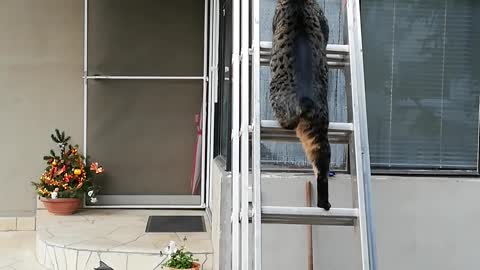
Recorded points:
(67, 178)
(179, 258)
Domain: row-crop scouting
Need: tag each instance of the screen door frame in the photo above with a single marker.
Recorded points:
(151, 201)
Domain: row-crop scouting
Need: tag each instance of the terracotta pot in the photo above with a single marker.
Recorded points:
(63, 206)
(196, 266)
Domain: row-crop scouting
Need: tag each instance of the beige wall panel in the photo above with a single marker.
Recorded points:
(40, 89)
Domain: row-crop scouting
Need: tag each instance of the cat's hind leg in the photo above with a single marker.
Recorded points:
(322, 164)
(285, 106)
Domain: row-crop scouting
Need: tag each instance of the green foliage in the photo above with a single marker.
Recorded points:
(181, 259)
(60, 137)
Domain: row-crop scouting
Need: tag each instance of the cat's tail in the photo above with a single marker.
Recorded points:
(312, 130)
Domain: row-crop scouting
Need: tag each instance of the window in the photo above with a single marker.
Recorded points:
(421, 71)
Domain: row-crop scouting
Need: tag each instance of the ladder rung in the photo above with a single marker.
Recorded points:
(334, 126)
(309, 215)
(337, 55)
(331, 48)
(338, 132)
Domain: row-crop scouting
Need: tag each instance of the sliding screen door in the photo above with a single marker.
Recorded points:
(145, 85)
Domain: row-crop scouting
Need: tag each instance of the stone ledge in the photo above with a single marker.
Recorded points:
(17, 224)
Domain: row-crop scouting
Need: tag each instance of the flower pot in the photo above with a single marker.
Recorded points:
(196, 266)
(63, 206)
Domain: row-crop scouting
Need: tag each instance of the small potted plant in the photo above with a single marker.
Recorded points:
(67, 178)
(179, 258)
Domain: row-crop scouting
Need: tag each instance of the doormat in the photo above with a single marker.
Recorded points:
(175, 224)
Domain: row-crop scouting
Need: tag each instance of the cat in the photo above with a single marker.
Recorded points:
(298, 89)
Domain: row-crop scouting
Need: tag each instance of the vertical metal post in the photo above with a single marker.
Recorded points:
(204, 101)
(209, 108)
(213, 84)
(235, 134)
(245, 138)
(362, 157)
(308, 197)
(214, 78)
(216, 48)
(85, 73)
(257, 203)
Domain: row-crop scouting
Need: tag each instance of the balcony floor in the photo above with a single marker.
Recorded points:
(116, 237)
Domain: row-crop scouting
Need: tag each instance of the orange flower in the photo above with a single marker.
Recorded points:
(94, 167)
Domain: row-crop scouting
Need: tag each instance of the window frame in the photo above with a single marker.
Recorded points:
(224, 79)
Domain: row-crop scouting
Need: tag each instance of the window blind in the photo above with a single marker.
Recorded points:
(421, 74)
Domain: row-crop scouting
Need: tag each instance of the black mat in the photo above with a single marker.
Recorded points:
(175, 224)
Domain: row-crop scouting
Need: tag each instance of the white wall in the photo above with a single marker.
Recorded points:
(421, 223)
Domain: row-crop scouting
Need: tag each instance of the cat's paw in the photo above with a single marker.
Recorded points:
(325, 205)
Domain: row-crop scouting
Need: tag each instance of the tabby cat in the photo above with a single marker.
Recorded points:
(298, 89)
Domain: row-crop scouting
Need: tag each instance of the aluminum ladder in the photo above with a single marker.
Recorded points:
(248, 130)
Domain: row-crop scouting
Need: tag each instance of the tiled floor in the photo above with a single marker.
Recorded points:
(17, 251)
(116, 237)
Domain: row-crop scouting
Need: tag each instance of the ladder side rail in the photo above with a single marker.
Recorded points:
(355, 153)
(235, 135)
(361, 171)
(256, 139)
(244, 130)
(362, 106)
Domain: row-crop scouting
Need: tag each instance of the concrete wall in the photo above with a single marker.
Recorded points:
(421, 223)
(221, 213)
(41, 52)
